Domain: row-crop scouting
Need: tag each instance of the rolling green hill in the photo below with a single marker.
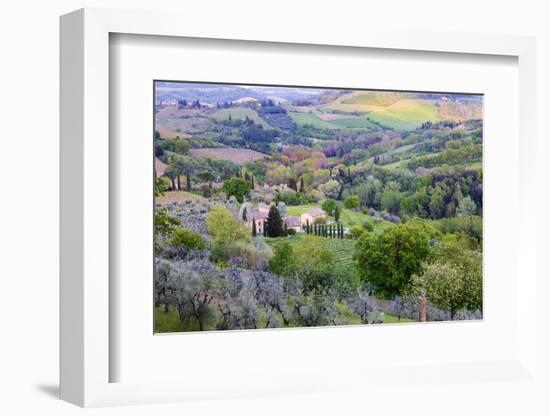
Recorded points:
(405, 111)
(351, 122)
(239, 113)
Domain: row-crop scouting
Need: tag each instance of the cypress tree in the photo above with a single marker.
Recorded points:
(302, 184)
(188, 182)
(307, 226)
(254, 232)
(337, 213)
(252, 181)
(244, 214)
(274, 224)
(264, 229)
(286, 230)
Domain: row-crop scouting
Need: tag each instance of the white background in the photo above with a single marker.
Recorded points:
(29, 208)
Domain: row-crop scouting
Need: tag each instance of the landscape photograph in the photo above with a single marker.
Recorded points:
(289, 206)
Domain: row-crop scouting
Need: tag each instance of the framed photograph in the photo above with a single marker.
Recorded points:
(289, 207)
(285, 213)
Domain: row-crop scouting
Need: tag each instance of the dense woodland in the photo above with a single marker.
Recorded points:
(302, 207)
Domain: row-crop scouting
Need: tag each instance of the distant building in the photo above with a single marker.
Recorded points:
(263, 208)
(256, 216)
(294, 223)
(245, 100)
(314, 214)
(170, 102)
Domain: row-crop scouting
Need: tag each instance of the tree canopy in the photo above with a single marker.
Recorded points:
(237, 187)
(224, 227)
(388, 260)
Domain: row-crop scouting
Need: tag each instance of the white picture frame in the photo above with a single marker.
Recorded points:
(85, 212)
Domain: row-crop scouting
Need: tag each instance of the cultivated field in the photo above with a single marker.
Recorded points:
(403, 111)
(330, 121)
(182, 124)
(237, 156)
(176, 196)
(406, 114)
(167, 134)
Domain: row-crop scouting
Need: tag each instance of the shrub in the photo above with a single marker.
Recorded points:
(224, 227)
(283, 261)
(162, 185)
(469, 225)
(291, 231)
(352, 202)
(248, 255)
(186, 238)
(165, 224)
(329, 206)
(367, 226)
(355, 232)
(206, 191)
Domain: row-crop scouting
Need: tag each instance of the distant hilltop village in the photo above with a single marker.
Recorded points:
(168, 101)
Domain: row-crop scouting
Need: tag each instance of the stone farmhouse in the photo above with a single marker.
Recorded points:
(293, 223)
(314, 214)
(258, 216)
(298, 223)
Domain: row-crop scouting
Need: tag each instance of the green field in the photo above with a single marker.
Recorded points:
(376, 98)
(342, 248)
(348, 217)
(354, 123)
(189, 125)
(342, 123)
(406, 114)
(398, 111)
(239, 113)
(297, 210)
